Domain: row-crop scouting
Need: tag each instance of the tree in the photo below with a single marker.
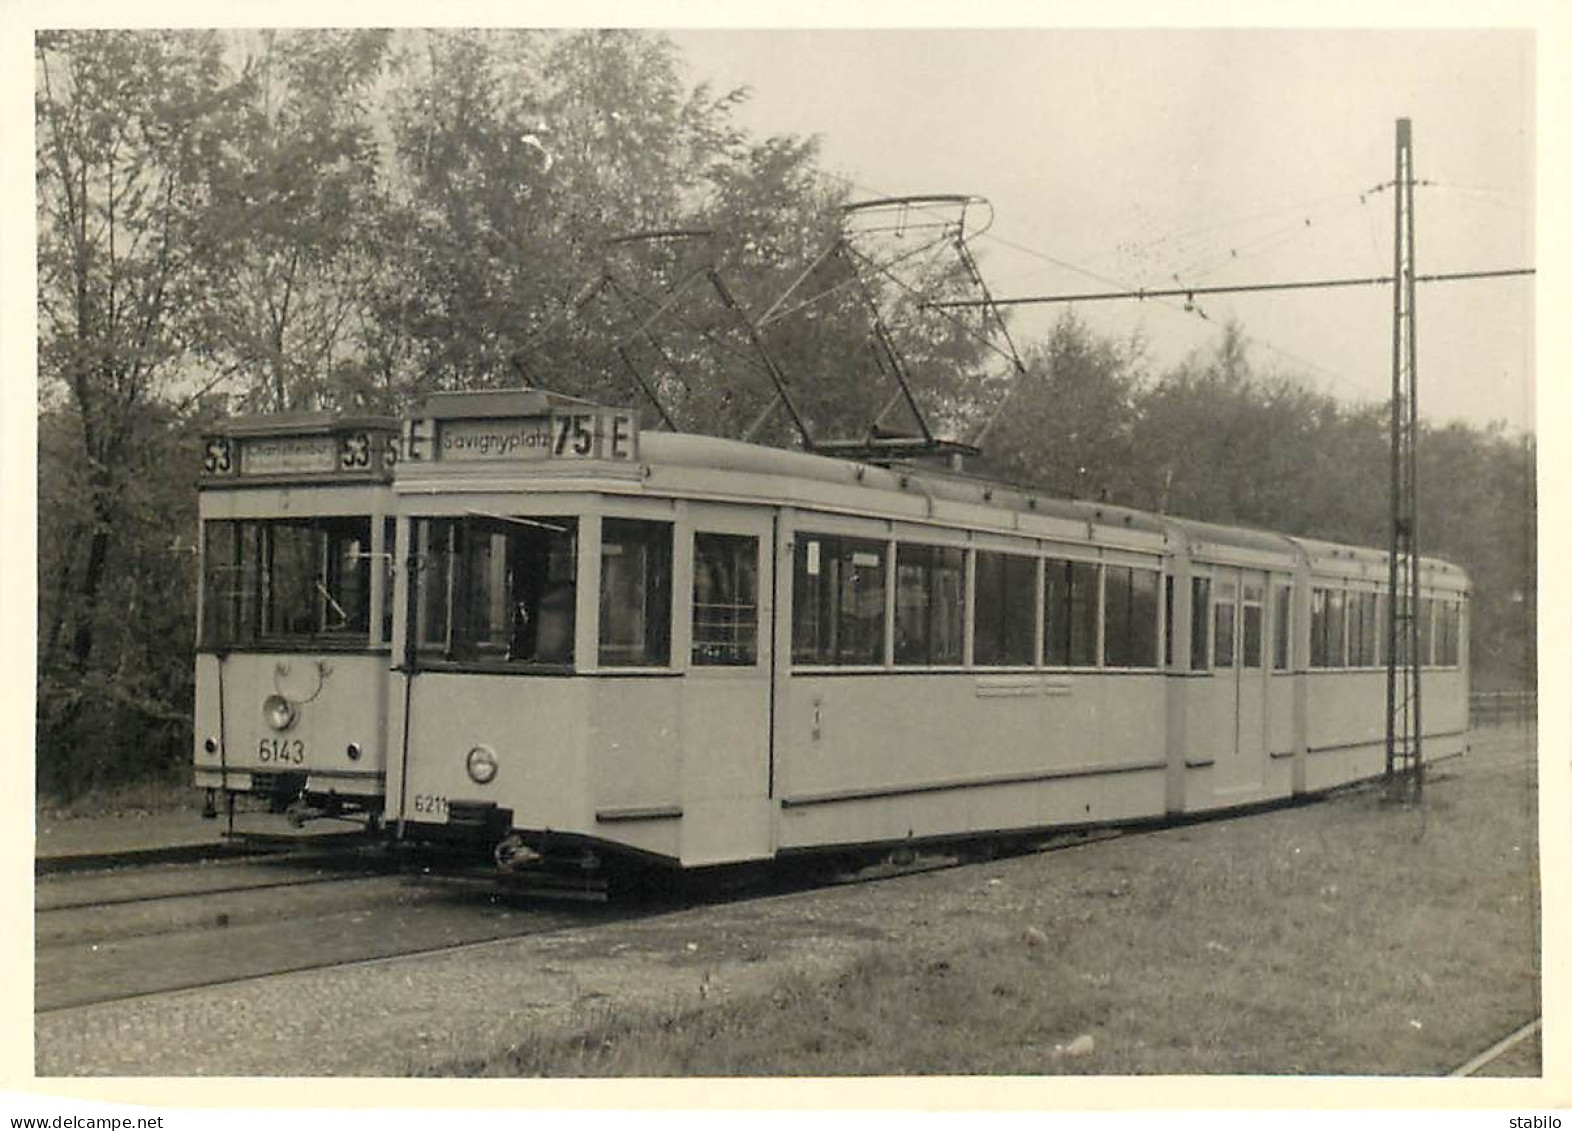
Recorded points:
(127, 126)
(519, 155)
(291, 220)
(1069, 421)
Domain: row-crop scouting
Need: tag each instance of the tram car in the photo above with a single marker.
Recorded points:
(294, 616)
(680, 650)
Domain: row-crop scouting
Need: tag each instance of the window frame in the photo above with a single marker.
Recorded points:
(1069, 661)
(1281, 614)
(1230, 605)
(760, 604)
(428, 655)
(1007, 559)
(965, 608)
(1155, 627)
(654, 621)
(800, 538)
(244, 607)
(1201, 600)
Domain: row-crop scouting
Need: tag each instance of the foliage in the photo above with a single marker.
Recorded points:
(352, 219)
(1214, 440)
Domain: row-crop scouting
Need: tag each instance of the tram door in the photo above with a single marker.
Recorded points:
(727, 694)
(1240, 654)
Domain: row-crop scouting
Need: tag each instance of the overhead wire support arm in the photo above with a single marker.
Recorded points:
(884, 346)
(887, 347)
(988, 303)
(989, 306)
(774, 370)
(1237, 288)
(633, 370)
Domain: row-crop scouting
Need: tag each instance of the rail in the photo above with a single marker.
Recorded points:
(1499, 708)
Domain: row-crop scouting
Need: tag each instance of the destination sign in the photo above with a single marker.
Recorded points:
(354, 452)
(601, 434)
(288, 455)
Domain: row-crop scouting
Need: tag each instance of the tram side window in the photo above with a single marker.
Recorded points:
(635, 593)
(388, 572)
(1400, 605)
(1375, 613)
(1448, 627)
(725, 599)
(1252, 624)
(1318, 628)
(1336, 628)
(1282, 622)
(1006, 606)
(930, 604)
(1070, 609)
(837, 600)
(1223, 625)
(1425, 606)
(497, 590)
(1362, 630)
(1200, 618)
(1168, 622)
(1129, 617)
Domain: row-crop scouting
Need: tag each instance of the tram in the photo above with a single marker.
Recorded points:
(294, 616)
(686, 651)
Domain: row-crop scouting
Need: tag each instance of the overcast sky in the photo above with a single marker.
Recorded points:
(1219, 156)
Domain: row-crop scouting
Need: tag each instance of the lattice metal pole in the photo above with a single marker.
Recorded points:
(1403, 661)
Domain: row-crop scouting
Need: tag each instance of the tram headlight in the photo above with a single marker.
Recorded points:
(211, 746)
(353, 750)
(481, 764)
(279, 712)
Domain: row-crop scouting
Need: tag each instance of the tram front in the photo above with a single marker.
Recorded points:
(294, 616)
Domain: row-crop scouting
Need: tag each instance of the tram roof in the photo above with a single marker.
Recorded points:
(300, 424)
(715, 453)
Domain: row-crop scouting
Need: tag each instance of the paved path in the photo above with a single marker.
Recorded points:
(58, 839)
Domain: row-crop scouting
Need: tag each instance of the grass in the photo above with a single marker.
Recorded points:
(1349, 936)
(170, 794)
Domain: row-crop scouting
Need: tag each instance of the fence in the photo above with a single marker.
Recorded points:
(1495, 708)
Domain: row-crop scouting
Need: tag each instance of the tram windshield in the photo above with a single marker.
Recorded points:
(496, 589)
(270, 582)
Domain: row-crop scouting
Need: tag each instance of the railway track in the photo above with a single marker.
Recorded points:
(240, 847)
(1497, 1052)
(134, 931)
(141, 931)
(103, 937)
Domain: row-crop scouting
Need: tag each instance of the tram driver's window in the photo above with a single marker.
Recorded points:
(635, 593)
(289, 569)
(725, 599)
(497, 589)
(315, 577)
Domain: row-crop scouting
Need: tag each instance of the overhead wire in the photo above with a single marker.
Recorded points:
(1191, 308)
